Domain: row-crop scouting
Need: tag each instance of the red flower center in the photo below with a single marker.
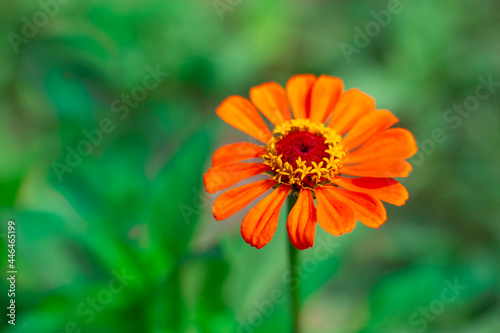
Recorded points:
(308, 146)
(304, 154)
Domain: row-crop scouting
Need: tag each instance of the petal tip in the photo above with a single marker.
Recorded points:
(208, 184)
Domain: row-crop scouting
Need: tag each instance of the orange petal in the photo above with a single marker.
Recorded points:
(334, 216)
(352, 105)
(270, 99)
(385, 189)
(378, 168)
(394, 143)
(369, 210)
(324, 96)
(298, 91)
(260, 223)
(236, 152)
(240, 113)
(220, 177)
(301, 223)
(368, 126)
(237, 198)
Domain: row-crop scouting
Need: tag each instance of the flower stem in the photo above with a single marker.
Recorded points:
(293, 254)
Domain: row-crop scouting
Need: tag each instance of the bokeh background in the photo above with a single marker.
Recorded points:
(124, 241)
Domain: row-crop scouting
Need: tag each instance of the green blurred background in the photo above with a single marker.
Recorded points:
(124, 241)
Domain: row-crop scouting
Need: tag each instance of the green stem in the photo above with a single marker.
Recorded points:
(293, 254)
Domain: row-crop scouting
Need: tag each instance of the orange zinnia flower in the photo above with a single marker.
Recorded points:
(337, 148)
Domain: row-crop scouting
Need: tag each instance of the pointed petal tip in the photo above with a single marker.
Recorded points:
(240, 113)
(259, 225)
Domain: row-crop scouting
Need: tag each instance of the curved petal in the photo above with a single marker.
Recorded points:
(298, 91)
(236, 152)
(237, 198)
(367, 209)
(301, 223)
(367, 127)
(325, 95)
(352, 105)
(240, 113)
(334, 216)
(394, 143)
(270, 99)
(385, 189)
(260, 223)
(378, 168)
(223, 176)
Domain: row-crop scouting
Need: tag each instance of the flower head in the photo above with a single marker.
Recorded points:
(336, 149)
